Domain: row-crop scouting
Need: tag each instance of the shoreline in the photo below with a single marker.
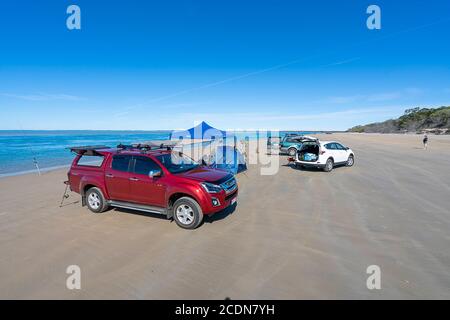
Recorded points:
(35, 171)
(323, 136)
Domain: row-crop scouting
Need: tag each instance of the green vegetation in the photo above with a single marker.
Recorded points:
(413, 120)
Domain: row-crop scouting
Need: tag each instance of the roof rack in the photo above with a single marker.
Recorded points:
(87, 150)
(144, 147)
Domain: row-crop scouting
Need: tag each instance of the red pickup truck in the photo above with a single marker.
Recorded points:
(157, 180)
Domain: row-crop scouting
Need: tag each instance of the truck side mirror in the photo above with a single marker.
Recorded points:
(154, 173)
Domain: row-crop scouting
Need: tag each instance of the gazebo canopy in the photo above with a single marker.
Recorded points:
(202, 131)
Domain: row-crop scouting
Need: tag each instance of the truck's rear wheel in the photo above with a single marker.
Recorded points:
(95, 200)
(187, 213)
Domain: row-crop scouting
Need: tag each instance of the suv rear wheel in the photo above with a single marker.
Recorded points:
(292, 152)
(95, 200)
(187, 213)
(328, 165)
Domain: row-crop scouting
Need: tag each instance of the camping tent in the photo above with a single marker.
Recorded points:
(202, 131)
(218, 148)
(229, 158)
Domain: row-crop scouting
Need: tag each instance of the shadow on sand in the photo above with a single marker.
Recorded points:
(311, 169)
(221, 214)
(69, 204)
(139, 213)
(207, 219)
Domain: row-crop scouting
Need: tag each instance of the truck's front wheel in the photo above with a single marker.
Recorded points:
(187, 213)
(95, 200)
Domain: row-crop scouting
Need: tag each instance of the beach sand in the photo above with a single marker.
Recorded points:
(300, 234)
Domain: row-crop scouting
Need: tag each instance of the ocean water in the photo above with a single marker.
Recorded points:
(19, 149)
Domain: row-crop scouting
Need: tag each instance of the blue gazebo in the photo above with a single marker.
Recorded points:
(223, 155)
(202, 131)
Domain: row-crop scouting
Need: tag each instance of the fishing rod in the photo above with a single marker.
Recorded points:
(35, 161)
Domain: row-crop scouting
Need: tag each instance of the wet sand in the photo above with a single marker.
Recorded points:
(300, 234)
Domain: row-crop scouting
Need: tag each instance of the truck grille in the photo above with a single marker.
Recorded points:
(231, 195)
(229, 185)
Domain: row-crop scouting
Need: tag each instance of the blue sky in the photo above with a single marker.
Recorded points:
(145, 65)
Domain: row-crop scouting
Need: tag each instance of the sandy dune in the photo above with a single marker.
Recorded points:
(298, 234)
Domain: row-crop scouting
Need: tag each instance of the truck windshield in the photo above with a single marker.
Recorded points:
(176, 162)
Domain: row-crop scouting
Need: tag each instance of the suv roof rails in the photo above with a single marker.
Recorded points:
(87, 150)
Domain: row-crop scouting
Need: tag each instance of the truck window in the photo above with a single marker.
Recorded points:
(176, 162)
(143, 165)
(90, 161)
(121, 162)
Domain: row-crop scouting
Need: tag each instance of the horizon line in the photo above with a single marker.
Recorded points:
(169, 130)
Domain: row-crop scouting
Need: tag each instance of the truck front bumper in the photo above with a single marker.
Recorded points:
(219, 202)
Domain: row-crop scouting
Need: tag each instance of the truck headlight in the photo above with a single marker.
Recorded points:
(211, 188)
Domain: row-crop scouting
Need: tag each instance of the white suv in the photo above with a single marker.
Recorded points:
(324, 154)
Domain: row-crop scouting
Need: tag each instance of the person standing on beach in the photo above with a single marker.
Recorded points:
(425, 141)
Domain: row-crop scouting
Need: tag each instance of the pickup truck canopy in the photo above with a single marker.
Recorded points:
(87, 150)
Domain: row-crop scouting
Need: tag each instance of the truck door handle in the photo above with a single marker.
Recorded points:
(134, 179)
(109, 175)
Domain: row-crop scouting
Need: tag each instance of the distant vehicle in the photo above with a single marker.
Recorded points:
(272, 141)
(291, 143)
(158, 180)
(323, 154)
